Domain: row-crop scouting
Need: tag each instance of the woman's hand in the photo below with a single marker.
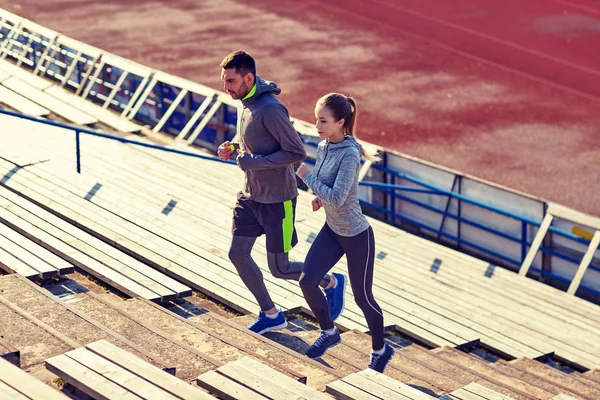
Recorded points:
(317, 203)
(302, 171)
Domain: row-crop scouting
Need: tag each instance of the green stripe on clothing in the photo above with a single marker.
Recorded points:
(251, 93)
(287, 225)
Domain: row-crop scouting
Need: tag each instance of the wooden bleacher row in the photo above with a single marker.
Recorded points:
(157, 335)
(418, 292)
(507, 388)
(18, 253)
(179, 228)
(93, 311)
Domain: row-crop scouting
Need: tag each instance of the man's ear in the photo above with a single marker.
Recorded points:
(249, 78)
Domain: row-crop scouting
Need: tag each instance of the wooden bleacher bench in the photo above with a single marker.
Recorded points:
(90, 254)
(371, 385)
(22, 256)
(104, 115)
(248, 379)
(45, 100)
(20, 103)
(18, 384)
(24, 75)
(104, 371)
(474, 391)
(563, 397)
(9, 352)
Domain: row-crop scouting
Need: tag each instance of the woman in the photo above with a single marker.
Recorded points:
(334, 180)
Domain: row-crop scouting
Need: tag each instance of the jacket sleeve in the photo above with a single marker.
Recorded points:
(277, 121)
(346, 177)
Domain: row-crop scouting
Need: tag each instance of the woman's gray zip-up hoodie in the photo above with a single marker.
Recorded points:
(335, 180)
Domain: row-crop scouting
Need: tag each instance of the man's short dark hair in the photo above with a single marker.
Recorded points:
(241, 61)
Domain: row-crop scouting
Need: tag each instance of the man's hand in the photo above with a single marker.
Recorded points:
(317, 203)
(302, 171)
(225, 150)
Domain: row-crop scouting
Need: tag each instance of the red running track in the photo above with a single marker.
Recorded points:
(493, 108)
(555, 40)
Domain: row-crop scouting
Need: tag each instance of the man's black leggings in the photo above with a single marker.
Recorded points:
(325, 252)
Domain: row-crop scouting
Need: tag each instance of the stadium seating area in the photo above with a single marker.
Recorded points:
(116, 283)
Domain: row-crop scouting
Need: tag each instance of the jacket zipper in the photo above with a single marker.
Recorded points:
(324, 158)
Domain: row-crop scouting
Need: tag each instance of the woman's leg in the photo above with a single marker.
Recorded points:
(323, 254)
(360, 254)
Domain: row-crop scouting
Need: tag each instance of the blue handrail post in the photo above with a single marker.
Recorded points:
(392, 201)
(523, 240)
(78, 151)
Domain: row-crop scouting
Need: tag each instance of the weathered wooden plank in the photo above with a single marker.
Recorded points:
(395, 385)
(120, 376)
(254, 367)
(8, 393)
(21, 381)
(45, 100)
(145, 370)
(345, 391)
(373, 387)
(86, 380)
(226, 388)
(482, 391)
(20, 103)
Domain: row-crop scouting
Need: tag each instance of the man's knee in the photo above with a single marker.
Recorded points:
(237, 255)
(279, 265)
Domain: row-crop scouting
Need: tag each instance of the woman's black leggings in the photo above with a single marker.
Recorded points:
(325, 252)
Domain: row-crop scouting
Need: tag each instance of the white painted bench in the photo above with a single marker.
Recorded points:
(20, 103)
(24, 257)
(45, 100)
(26, 76)
(104, 115)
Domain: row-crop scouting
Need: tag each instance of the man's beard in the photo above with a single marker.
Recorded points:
(243, 91)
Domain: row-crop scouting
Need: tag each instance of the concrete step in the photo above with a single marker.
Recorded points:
(9, 352)
(593, 374)
(293, 338)
(427, 373)
(75, 327)
(317, 374)
(521, 389)
(568, 381)
(408, 375)
(188, 361)
(221, 347)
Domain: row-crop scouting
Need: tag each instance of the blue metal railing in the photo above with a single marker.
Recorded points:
(390, 189)
(78, 131)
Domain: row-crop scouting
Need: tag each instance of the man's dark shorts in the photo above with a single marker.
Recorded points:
(276, 220)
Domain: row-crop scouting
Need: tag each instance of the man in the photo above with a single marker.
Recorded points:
(267, 147)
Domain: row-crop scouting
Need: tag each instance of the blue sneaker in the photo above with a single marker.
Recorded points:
(380, 361)
(335, 296)
(323, 343)
(264, 324)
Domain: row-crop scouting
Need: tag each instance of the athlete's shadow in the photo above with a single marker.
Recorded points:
(294, 343)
